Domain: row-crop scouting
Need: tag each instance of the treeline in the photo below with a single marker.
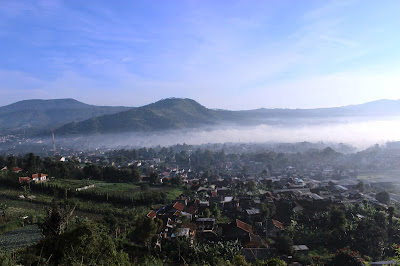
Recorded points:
(143, 198)
(70, 169)
(370, 230)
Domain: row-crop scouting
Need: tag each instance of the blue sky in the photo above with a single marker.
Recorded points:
(224, 54)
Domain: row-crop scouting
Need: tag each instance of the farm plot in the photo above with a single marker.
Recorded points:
(19, 238)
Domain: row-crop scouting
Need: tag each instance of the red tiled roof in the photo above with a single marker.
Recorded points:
(179, 206)
(42, 175)
(35, 175)
(278, 224)
(152, 214)
(257, 240)
(177, 213)
(17, 169)
(244, 226)
(22, 179)
(192, 210)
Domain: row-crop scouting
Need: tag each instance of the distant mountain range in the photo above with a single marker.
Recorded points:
(35, 116)
(71, 117)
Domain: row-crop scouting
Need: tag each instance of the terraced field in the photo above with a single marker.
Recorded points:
(19, 238)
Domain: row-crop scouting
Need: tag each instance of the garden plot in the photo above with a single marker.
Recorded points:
(20, 238)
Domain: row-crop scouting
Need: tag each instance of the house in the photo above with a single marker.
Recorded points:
(17, 169)
(43, 178)
(277, 229)
(152, 214)
(37, 178)
(205, 224)
(253, 241)
(301, 249)
(179, 206)
(181, 232)
(297, 208)
(237, 230)
(24, 179)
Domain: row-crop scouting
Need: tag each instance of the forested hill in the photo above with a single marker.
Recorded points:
(71, 117)
(162, 115)
(32, 116)
(177, 113)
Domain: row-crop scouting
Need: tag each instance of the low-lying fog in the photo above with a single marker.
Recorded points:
(360, 134)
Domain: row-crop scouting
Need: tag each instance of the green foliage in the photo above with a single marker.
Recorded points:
(87, 243)
(361, 186)
(165, 114)
(239, 260)
(144, 187)
(267, 210)
(57, 220)
(284, 244)
(383, 197)
(272, 262)
(209, 254)
(369, 238)
(150, 261)
(154, 178)
(145, 229)
(346, 257)
(337, 219)
(6, 259)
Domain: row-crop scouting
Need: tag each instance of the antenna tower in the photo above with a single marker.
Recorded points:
(54, 142)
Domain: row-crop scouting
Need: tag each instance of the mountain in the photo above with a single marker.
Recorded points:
(33, 116)
(71, 117)
(374, 109)
(165, 114)
(176, 113)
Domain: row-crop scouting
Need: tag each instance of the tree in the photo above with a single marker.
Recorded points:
(87, 244)
(361, 186)
(383, 197)
(391, 213)
(207, 213)
(369, 239)
(135, 174)
(346, 257)
(154, 178)
(57, 219)
(274, 262)
(251, 186)
(3, 208)
(267, 210)
(337, 219)
(144, 187)
(284, 244)
(177, 181)
(145, 229)
(92, 171)
(11, 162)
(240, 260)
(30, 163)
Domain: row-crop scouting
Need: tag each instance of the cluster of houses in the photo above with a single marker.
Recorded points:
(289, 193)
(37, 178)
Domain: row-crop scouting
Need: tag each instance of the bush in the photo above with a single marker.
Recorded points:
(346, 257)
